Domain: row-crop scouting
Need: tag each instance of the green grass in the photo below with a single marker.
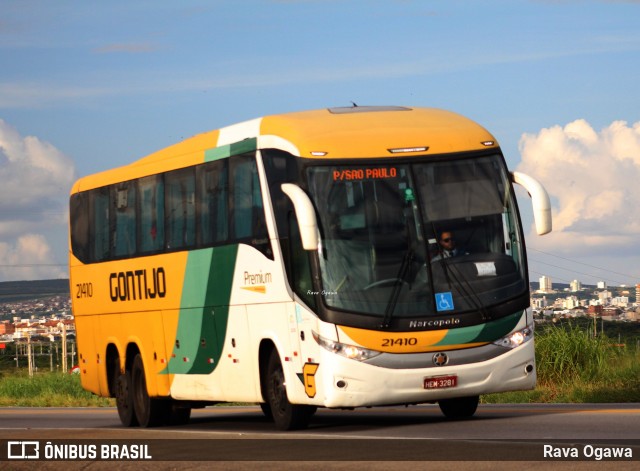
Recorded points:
(46, 390)
(572, 367)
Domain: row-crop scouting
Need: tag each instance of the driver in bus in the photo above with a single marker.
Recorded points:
(446, 249)
(447, 246)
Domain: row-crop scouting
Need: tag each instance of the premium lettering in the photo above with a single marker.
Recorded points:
(137, 285)
(257, 278)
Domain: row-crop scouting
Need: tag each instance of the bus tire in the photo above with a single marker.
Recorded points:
(459, 407)
(286, 416)
(124, 396)
(150, 412)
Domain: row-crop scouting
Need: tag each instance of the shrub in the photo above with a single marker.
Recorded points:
(564, 354)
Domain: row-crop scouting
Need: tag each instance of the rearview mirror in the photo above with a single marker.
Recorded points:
(305, 214)
(539, 200)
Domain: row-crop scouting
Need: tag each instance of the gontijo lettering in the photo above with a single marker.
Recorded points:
(138, 284)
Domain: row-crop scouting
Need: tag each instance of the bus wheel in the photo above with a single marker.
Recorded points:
(459, 407)
(124, 396)
(149, 411)
(286, 416)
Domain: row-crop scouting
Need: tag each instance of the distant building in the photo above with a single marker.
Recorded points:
(545, 284)
(604, 297)
(539, 303)
(579, 311)
(41, 327)
(7, 328)
(611, 313)
(595, 310)
(575, 286)
(620, 301)
(571, 302)
(602, 285)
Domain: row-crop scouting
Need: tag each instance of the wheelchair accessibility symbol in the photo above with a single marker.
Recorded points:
(444, 302)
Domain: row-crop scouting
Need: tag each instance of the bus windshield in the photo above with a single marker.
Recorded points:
(416, 239)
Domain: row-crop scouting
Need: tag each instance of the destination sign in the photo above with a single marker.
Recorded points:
(354, 174)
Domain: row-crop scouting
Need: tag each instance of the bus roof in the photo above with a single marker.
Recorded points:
(349, 132)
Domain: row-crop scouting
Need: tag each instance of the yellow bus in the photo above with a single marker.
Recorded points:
(338, 258)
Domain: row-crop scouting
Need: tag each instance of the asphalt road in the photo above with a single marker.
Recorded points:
(536, 436)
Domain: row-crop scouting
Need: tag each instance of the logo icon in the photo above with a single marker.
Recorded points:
(309, 378)
(444, 302)
(23, 450)
(440, 359)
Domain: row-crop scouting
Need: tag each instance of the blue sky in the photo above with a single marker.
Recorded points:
(85, 86)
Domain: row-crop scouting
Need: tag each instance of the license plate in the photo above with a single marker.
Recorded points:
(441, 382)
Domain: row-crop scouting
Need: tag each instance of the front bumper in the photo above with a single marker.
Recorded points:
(348, 383)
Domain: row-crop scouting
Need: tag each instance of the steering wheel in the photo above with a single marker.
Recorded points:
(387, 281)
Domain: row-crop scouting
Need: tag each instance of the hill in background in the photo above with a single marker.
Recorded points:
(25, 290)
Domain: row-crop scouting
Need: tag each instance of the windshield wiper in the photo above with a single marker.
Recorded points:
(454, 277)
(397, 287)
(452, 273)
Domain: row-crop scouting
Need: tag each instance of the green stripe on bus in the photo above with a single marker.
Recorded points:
(461, 335)
(482, 333)
(204, 310)
(499, 328)
(222, 152)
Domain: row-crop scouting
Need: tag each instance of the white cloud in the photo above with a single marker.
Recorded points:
(35, 181)
(29, 258)
(592, 178)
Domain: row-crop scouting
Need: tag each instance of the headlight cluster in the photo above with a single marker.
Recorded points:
(348, 351)
(515, 339)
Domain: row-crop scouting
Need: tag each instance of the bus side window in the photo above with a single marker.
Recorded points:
(280, 167)
(246, 201)
(100, 225)
(151, 214)
(180, 209)
(79, 217)
(213, 180)
(124, 203)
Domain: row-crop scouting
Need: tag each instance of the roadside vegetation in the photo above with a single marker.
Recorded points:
(573, 366)
(46, 390)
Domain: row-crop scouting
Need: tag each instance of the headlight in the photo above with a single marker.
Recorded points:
(515, 339)
(348, 351)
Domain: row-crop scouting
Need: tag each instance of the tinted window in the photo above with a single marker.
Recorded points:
(247, 199)
(151, 214)
(123, 198)
(180, 208)
(213, 179)
(100, 228)
(79, 216)
(172, 211)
